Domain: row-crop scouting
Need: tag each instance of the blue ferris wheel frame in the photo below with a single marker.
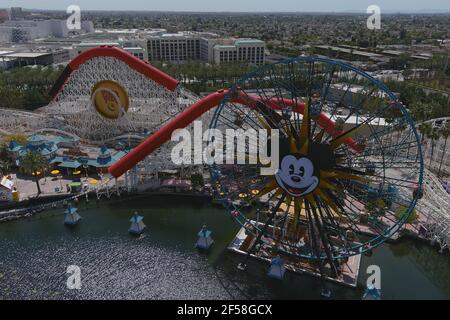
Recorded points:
(362, 248)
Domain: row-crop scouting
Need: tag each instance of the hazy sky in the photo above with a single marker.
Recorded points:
(235, 5)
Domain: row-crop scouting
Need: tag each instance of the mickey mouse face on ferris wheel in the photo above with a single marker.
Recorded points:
(296, 176)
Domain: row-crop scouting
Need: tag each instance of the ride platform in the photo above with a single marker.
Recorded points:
(242, 243)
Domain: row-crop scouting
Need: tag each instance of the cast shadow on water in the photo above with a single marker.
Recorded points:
(254, 284)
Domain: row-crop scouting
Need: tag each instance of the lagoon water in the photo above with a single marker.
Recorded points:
(35, 253)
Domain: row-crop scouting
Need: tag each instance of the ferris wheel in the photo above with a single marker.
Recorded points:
(350, 164)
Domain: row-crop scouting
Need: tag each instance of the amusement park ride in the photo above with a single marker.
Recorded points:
(351, 167)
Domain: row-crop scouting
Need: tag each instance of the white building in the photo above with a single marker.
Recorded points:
(186, 46)
(240, 50)
(5, 61)
(15, 13)
(19, 31)
(21, 58)
(175, 47)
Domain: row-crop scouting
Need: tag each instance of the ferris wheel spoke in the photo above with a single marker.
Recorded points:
(384, 214)
(279, 98)
(352, 223)
(353, 165)
(264, 122)
(340, 103)
(324, 237)
(385, 177)
(328, 78)
(295, 97)
(266, 225)
(312, 234)
(338, 227)
(273, 119)
(383, 133)
(231, 124)
(337, 141)
(244, 115)
(311, 66)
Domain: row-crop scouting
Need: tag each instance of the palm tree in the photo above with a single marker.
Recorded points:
(33, 162)
(445, 132)
(4, 166)
(425, 130)
(434, 135)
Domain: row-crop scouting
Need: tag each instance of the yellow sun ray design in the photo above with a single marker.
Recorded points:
(298, 203)
(263, 122)
(293, 145)
(289, 202)
(299, 143)
(328, 174)
(311, 200)
(324, 184)
(305, 147)
(304, 130)
(319, 136)
(329, 202)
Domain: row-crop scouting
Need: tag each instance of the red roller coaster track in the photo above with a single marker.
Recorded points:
(196, 111)
(184, 118)
(108, 51)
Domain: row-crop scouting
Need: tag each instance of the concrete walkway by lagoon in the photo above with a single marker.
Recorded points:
(50, 185)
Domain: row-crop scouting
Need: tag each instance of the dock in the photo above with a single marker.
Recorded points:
(349, 270)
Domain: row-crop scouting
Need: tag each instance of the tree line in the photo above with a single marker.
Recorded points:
(27, 88)
(201, 77)
(423, 104)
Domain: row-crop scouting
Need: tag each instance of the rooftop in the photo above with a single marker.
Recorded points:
(249, 41)
(351, 51)
(27, 54)
(96, 44)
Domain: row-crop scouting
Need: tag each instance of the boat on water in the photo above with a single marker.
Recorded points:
(204, 239)
(372, 293)
(71, 216)
(137, 225)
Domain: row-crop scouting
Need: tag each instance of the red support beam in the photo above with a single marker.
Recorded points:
(194, 112)
(109, 51)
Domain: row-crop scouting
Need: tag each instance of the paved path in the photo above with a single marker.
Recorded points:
(49, 185)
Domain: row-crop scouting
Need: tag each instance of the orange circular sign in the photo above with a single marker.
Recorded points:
(110, 99)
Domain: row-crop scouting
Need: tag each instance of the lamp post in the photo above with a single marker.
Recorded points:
(85, 167)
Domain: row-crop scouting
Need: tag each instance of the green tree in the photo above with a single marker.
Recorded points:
(425, 129)
(4, 167)
(434, 135)
(401, 211)
(33, 162)
(400, 62)
(27, 88)
(20, 138)
(197, 181)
